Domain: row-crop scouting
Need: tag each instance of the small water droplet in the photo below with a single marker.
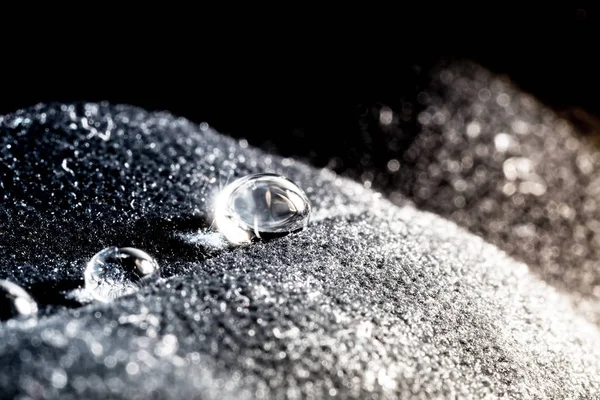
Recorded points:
(15, 302)
(115, 272)
(503, 142)
(393, 165)
(260, 205)
(386, 116)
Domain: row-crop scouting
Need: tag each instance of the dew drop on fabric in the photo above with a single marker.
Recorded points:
(15, 302)
(260, 205)
(115, 272)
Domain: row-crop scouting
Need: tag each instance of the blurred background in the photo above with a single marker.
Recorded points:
(283, 83)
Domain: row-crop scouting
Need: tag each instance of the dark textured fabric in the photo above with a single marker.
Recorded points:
(372, 300)
(492, 159)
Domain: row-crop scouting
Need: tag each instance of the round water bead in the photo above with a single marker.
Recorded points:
(259, 206)
(15, 302)
(118, 271)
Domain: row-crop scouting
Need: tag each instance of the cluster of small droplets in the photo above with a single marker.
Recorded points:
(88, 150)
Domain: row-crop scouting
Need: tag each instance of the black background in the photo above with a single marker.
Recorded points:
(289, 80)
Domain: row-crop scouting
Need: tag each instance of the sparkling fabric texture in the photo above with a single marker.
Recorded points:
(371, 300)
(496, 162)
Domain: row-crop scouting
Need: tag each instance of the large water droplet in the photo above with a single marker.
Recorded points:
(15, 302)
(115, 272)
(260, 205)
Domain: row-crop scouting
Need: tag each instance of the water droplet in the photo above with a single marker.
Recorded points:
(386, 116)
(115, 272)
(15, 302)
(473, 129)
(393, 165)
(260, 205)
(503, 142)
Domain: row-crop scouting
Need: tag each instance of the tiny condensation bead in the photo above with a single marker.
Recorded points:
(115, 272)
(260, 205)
